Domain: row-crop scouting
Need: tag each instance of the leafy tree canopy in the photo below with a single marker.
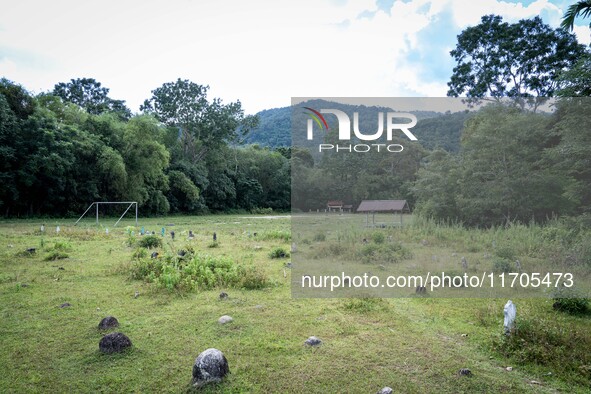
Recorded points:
(523, 59)
(90, 95)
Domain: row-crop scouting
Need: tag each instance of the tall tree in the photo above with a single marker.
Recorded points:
(203, 125)
(523, 59)
(576, 82)
(90, 95)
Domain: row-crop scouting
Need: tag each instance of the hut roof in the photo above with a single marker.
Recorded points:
(383, 206)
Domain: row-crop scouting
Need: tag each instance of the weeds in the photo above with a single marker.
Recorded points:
(278, 253)
(565, 350)
(273, 235)
(201, 272)
(150, 242)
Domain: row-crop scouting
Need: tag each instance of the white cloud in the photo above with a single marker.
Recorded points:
(261, 52)
(583, 34)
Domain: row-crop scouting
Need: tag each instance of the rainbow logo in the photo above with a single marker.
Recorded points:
(318, 118)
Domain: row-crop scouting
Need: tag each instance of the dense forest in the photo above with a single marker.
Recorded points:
(186, 153)
(63, 149)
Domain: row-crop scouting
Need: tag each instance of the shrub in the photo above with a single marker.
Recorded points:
(365, 304)
(329, 249)
(570, 301)
(200, 272)
(505, 252)
(378, 237)
(140, 253)
(261, 211)
(501, 265)
(276, 235)
(56, 255)
(150, 241)
(278, 253)
(320, 237)
(383, 253)
(546, 342)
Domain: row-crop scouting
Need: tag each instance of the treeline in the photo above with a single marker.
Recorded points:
(63, 149)
(513, 165)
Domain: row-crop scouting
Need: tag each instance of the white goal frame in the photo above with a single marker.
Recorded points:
(98, 203)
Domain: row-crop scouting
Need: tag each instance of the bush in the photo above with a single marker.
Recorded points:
(383, 253)
(505, 252)
(320, 237)
(56, 255)
(276, 235)
(261, 211)
(570, 301)
(201, 272)
(150, 241)
(278, 253)
(547, 343)
(378, 237)
(502, 265)
(140, 253)
(329, 249)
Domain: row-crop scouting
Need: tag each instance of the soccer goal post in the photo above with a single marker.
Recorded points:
(98, 203)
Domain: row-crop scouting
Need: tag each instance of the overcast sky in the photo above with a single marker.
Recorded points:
(259, 52)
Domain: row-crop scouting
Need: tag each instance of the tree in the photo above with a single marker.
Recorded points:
(19, 100)
(576, 82)
(582, 8)
(146, 159)
(522, 59)
(203, 125)
(90, 95)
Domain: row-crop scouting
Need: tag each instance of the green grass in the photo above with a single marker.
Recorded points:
(411, 344)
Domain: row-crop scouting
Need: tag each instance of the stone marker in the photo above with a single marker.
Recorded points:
(225, 319)
(386, 390)
(154, 255)
(65, 305)
(294, 247)
(107, 231)
(114, 342)
(108, 322)
(510, 312)
(464, 263)
(172, 234)
(31, 250)
(313, 341)
(210, 367)
(191, 234)
(57, 229)
(518, 265)
(223, 295)
(215, 237)
(43, 228)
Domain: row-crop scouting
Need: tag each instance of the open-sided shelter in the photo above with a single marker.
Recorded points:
(383, 206)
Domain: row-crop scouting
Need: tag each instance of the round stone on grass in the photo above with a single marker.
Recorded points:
(386, 390)
(313, 341)
(210, 367)
(114, 342)
(108, 322)
(225, 319)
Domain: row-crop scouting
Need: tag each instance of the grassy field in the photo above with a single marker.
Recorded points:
(410, 344)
